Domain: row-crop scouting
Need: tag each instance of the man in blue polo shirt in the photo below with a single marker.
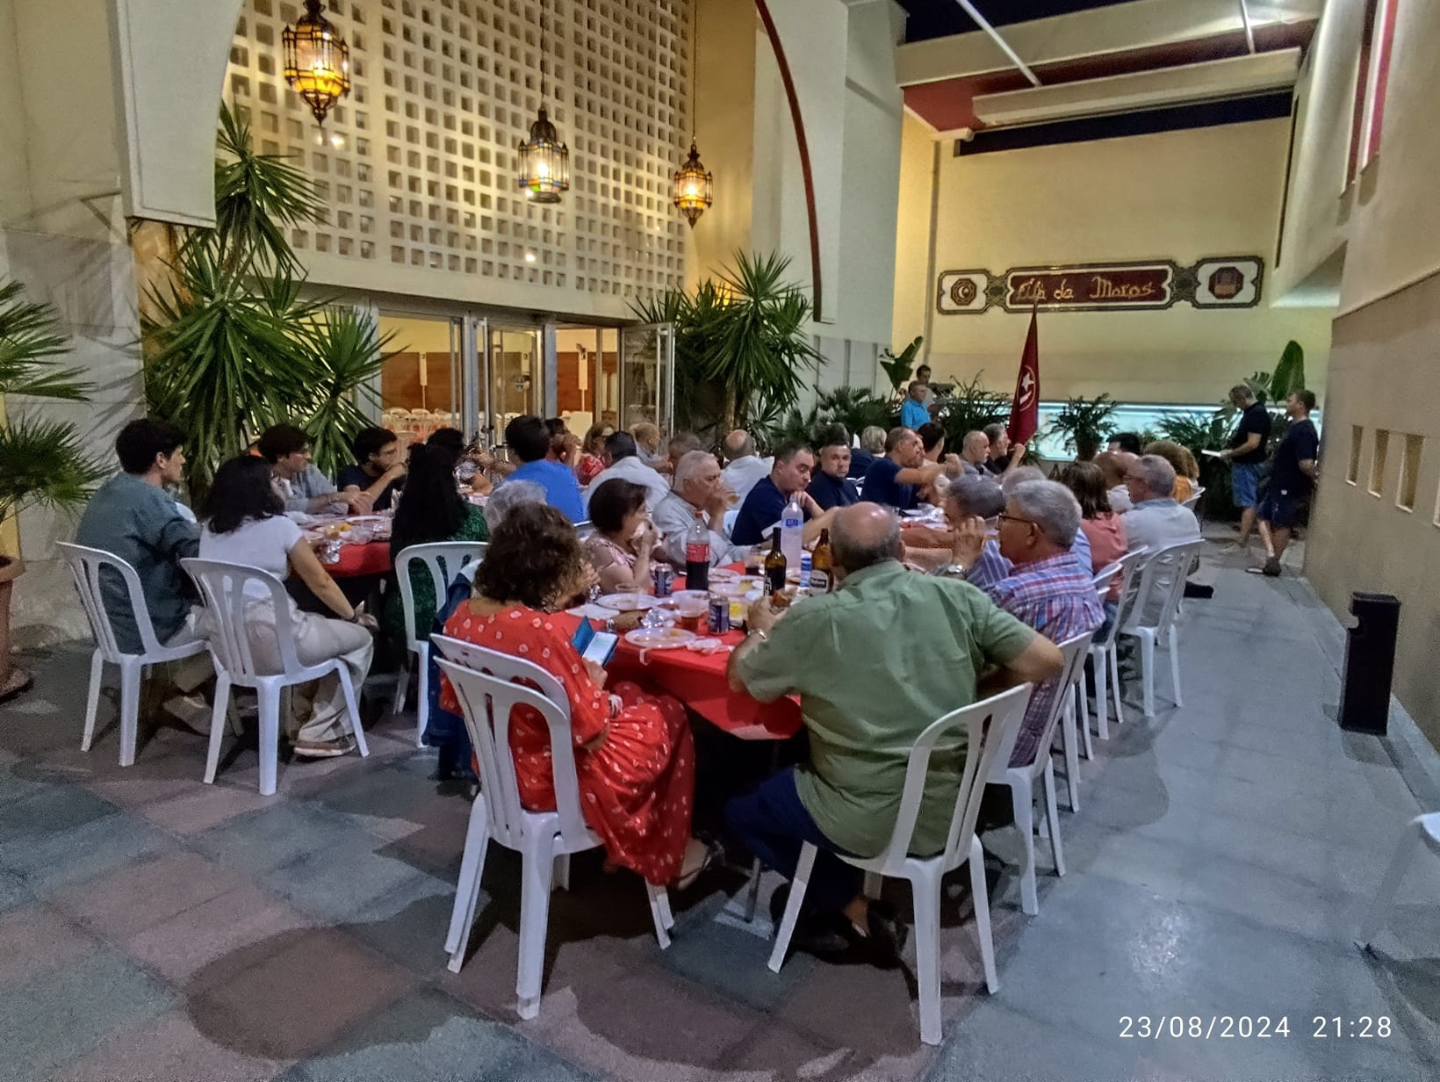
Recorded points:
(892, 480)
(529, 441)
(789, 476)
(832, 486)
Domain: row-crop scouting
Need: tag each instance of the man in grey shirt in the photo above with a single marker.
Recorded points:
(301, 484)
(133, 517)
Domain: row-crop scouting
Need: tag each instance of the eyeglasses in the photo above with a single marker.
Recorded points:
(1016, 518)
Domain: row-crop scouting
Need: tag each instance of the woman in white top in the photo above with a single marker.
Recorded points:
(245, 524)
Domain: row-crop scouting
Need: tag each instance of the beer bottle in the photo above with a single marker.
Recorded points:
(775, 567)
(822, 566)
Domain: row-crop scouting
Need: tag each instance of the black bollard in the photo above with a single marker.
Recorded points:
(1369, 663)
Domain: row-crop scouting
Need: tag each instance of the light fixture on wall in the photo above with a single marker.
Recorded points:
(694, 187)
(317, 60)
(544, 160)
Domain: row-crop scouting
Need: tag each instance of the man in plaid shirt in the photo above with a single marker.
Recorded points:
(1048, 589)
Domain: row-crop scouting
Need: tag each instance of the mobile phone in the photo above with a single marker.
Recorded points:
(596, 646)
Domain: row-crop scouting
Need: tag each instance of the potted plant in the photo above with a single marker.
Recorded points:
(231, 344)
(42, 462)
(969, 407)
(742, 344)
(1083, 421)
(900, 368)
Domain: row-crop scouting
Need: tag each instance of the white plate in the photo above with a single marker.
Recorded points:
(723, 574)
(659, 638)
(628, 602)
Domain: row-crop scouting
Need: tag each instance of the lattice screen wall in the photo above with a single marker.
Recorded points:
(424, 171)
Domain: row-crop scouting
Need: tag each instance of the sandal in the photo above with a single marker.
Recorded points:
(21, 681)
(714, 854)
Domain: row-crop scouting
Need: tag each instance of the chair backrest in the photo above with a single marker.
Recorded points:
(223, 590)
(1104, 577)
(486, 683)
(1161, 584)
(443, 560)
(1192, 501)
(85, 566)
(1075, 651)
(987, 724)
(1126, 566)
(584, 529)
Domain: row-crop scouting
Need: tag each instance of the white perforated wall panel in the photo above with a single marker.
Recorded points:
(423, 176)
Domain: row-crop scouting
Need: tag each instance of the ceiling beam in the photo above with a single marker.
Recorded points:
(1118, 28)
(984, 24)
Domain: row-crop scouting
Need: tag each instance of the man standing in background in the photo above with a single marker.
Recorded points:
(1291, 481)
(1246, 455)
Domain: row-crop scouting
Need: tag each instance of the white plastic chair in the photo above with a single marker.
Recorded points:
(443, 559)
(1075, 744)
(223, 588)
(1151, 615)
(584, 529)
(1104, 660)
(1422, 830)
(1021, 779)
(990, 726)
(483, 680)
(85, 565)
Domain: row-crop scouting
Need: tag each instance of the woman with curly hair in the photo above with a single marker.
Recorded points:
(591, 464)
(1187, 470)
(634, 753)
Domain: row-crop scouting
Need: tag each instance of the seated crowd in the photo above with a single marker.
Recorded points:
(970, 604)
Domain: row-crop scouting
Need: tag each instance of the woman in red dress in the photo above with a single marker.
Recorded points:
(634, 753)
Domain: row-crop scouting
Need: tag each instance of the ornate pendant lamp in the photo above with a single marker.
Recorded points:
(694, 187)
(317, 60)
(544, 160)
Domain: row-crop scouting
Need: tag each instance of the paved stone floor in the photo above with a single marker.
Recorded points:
(152, 927)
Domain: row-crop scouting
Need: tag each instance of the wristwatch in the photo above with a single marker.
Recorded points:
(954, 571)
(758, 633)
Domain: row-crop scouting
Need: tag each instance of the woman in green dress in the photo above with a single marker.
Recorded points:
(431, 509)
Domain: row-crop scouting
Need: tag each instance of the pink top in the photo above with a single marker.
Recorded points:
(1107, 544)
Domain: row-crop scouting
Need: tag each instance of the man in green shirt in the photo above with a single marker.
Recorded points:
(874, 664)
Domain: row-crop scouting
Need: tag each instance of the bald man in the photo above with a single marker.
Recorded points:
(975, 452)
(743, 467)
(874, 663)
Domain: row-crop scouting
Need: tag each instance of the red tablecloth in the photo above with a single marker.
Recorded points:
(356, 560)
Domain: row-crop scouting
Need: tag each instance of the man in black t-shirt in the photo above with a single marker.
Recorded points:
(1291, 481)
(1246, 456)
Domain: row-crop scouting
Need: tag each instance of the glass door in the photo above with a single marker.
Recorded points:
(515, 383)
(647, 375)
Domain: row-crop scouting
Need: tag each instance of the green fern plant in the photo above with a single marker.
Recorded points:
(42, 461)
(1084, 422)
(969, 408)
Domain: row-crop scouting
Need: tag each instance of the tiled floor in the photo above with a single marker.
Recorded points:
(155, 928)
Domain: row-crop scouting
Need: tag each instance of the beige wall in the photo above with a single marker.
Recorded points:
(1177, 195)
(1385, 375)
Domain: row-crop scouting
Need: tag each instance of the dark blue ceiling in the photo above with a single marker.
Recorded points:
(937, 18)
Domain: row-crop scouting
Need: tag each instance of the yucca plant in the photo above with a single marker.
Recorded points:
(232, 344)
(741, 344)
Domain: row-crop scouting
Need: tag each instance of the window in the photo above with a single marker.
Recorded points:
(1377, 462)
(1410, 472)
(1357, 439)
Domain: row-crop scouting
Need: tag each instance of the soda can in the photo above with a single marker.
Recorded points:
(664, 578)
(719, 614)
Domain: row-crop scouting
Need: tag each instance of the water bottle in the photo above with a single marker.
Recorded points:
(697, 556)
(792, 532)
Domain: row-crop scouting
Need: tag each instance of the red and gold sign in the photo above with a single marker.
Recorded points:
(1081, 288)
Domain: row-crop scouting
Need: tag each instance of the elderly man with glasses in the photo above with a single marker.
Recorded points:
(1048, 589)
(1155, 519)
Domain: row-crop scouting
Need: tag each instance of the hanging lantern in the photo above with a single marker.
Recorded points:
(544, 163)
(693, 188)
(317, 61)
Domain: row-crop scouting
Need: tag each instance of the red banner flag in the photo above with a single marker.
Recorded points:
(1025, 408)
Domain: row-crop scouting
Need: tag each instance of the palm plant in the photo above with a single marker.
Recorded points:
(969, 408)
(741, 348)
(1206, 432)
(232, 345)
(42, 461)
(1084, 423)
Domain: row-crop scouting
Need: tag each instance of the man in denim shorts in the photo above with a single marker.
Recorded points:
(1246, 455)
(1291, 482)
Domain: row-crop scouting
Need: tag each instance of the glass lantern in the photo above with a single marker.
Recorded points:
(693, 194)
(544, 163)
(317, 61)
